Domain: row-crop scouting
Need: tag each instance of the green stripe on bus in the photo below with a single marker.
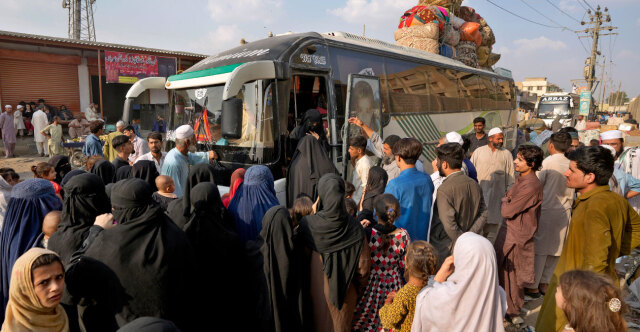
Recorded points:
(204, 72)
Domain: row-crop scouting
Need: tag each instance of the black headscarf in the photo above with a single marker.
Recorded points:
(123, 173)
(150, 255)
(282, 270)
(61, 165)
(70, 175)
(335, 235)
(180, 209)
(376, 183)
(105, 170)
(310, 117)
(308, 164)
(145, 170)
(149, 324)
(84, 200)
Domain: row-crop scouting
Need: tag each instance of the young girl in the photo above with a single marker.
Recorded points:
(421, 262)
(46, 171)
(302, 206)
(54, 133)
(591, 302)
(388, 245)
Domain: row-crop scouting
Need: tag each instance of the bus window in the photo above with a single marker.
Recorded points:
(444, 86)
(505, 95)
(487, 93)
(471, 90)
(408, 87)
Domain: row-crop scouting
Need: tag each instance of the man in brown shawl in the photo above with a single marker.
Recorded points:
(515, 242)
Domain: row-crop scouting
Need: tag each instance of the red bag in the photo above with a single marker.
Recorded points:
(417, 15)
(470, 31)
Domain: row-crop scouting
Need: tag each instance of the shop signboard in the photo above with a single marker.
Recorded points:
(585, 102)
(121, 67)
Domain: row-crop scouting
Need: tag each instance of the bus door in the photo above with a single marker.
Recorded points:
(363, 102)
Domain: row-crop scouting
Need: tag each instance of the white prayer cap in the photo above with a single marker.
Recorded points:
(120, 124)
(8, 106)
(610, 148)
(19, 107)
(184, 131)
(495, 131)
(611, 134)
(454, 137)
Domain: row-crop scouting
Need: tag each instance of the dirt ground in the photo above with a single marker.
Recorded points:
(27, 155)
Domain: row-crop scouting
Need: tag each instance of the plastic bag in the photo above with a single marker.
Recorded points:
(450, 35)
(470, 32)
(456, 21)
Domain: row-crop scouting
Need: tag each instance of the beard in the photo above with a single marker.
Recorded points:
(387, 160)
(440, 171)
(497, 145)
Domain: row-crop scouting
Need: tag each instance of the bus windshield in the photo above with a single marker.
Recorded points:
(201, 108)
(552, 110)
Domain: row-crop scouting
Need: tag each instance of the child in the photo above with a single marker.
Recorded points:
(398, 310)
(591, 302)
(352, 208)
(54, 133)
(302, 206)
(46, 171)
(388, 245)
(165, 194)
(349, 189)
(50, 226)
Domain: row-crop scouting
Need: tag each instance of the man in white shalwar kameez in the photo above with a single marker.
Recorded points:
(494, 165)
(39, 121)
(627, 159)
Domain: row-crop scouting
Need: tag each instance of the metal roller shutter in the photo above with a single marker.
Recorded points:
(57, 84)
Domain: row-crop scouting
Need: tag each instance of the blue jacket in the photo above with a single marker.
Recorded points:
(414, 191)
(92, 146)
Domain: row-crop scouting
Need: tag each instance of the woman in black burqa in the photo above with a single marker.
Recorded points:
(308, 164)
(105, 170)
(179, 209)
(311, 124)
(376, 183)
(151, 257)
(145, 170)
(84, 200)
(61, 165)
(340, 256)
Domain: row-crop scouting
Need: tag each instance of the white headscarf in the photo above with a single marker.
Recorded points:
(471, 299)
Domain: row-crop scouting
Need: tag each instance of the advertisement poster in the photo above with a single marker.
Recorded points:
(585, 102)
(124, 67)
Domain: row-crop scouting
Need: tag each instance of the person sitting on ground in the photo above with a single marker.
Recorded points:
(54, 133)
(165, 194)
(591, 302)
(92, 144)
(64, 113)
(36, 287)
(79, 126)
(388, 246)
(124, 148)
(45, 171)
(399, 307)
(50, 226)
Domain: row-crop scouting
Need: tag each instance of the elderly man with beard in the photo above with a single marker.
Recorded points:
(459, 205)
(627, 160)
(383, 149)
(177, 161)
(495, 168)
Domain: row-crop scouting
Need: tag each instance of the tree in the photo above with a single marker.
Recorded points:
(617, 98)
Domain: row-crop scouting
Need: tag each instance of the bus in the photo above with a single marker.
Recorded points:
(255, 94)
(551, 105)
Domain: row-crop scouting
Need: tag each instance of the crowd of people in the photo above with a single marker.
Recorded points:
(142, 239)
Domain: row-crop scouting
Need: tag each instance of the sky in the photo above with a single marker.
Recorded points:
(211, 26)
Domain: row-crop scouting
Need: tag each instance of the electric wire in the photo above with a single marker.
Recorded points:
(562, 11)
(524, 18)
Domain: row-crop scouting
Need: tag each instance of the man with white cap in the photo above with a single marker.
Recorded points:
(495, 174)
(176, 163)
(18, 121)
(626, 159)
(459, 205)
(108, 150)
(8, 131)
(40, 121)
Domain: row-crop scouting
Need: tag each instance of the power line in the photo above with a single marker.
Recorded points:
(585, 1)
(543, 15)
(581, 5)
(562, 11)
(524, 18)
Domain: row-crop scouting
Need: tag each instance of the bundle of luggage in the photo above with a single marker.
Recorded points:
(445, 27)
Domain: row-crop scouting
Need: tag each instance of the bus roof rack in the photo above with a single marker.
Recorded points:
(337, 35)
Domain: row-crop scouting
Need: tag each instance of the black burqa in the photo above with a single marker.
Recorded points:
(376, 183)
(105, 170)
(84, 200)
(61, 165)
(282, 270)
(311, 123)
(145, 170)
(150, 255)
(180, 209)
(335, 235)
(219, 254)
(124, 172)
(308, 164)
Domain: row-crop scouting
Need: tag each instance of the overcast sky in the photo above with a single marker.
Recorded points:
(210, 26)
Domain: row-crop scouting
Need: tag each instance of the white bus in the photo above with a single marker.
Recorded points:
(255, 94)
(551, 105)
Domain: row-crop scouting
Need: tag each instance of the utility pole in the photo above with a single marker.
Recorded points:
(596, 21)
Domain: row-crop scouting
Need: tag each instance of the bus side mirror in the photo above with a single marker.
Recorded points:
(231, 118)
